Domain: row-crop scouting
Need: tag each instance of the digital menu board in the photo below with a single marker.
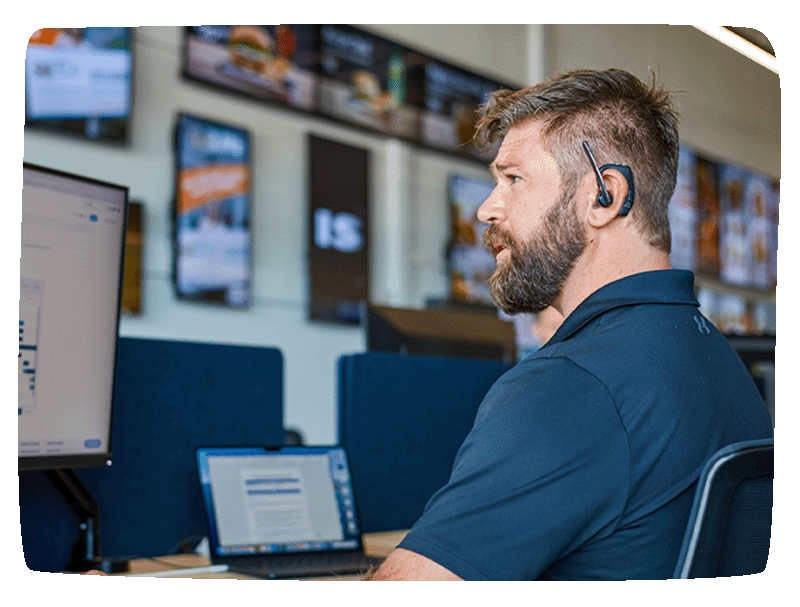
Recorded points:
(734, 250)
(470, 264)
(451, 98)
(366, 80)
(269, 62)
(683, 213)
(346, 74)
(78, 81)
(707, 200)
(212, 212)
(724, 221)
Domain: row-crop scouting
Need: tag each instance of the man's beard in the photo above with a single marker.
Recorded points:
(535, 273)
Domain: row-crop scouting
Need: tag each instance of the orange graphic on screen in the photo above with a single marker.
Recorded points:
(200, 186)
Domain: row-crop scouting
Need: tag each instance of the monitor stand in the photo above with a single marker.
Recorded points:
(86, 551)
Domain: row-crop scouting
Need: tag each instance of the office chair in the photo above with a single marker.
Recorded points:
(728, 533)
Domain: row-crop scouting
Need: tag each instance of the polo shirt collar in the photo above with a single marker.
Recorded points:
(655, 287)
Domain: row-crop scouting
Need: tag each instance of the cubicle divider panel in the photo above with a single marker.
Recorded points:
(170, 397)
(402, 419)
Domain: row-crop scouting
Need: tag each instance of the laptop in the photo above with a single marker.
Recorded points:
(281, 512)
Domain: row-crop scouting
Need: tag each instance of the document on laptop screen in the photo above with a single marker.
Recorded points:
(273, 500)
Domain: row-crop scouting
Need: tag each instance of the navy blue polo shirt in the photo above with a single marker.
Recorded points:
(583, 458)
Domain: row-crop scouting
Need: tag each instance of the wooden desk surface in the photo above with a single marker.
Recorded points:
(376, 544)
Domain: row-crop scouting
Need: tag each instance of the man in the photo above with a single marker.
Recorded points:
(583, 459)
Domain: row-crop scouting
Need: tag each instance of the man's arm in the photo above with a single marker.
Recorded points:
(410, 566)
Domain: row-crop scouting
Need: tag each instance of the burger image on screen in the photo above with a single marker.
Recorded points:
(366, 86)
(250, 47)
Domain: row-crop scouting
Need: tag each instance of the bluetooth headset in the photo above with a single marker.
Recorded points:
(604, 199)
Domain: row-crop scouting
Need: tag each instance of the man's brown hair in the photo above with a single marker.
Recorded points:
(624, 120)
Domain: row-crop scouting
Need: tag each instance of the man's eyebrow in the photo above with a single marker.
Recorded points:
(502, 166)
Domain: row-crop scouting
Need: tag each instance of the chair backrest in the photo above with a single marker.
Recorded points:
(728, 533)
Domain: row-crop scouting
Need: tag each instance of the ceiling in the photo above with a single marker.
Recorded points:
(753, 36)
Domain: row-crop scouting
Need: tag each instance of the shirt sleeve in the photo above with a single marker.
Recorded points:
(544, 470)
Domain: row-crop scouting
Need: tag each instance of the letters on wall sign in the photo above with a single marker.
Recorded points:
(338, 262)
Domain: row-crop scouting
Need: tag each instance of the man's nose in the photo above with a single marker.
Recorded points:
(492, 208)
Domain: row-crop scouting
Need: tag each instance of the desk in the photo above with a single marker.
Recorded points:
(376, 544)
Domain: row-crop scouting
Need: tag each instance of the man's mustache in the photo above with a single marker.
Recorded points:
(496, 239)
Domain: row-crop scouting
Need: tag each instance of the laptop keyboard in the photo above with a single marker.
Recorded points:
(305, 565)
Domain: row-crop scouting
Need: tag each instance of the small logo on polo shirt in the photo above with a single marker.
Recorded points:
(701, 324)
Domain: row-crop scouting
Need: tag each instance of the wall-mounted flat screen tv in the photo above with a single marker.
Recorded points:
(79, 81)
(338, 230)
(132, 278)
(268, 62)
(449, 105)
(470, 264)
(369, 81)
(212, 261)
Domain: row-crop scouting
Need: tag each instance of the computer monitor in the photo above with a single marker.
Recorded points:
(73, 233)
(450, 333)
(758, 355)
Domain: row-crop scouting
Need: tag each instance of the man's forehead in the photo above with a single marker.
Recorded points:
(520, 143)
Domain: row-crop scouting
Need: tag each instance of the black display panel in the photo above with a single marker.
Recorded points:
(451, 333)
(212, 237)
(131, 302)
(78, 81)
(338, 230)
(269, 62)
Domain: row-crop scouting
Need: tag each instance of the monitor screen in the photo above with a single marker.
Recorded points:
(79, 81)
(276, 500)
(70, 275)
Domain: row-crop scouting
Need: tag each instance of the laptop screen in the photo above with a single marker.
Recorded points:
(261, 500)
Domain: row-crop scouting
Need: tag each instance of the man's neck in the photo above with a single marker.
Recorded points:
(599, 266)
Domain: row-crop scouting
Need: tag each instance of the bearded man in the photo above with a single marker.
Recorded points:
(583, 458)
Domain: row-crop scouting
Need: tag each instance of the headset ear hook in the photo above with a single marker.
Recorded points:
(604, 199)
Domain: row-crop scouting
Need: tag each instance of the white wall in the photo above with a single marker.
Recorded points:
(409, 214)
(731, 109)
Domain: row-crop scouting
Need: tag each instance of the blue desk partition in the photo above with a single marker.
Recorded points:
(170, 397)
(402, 420)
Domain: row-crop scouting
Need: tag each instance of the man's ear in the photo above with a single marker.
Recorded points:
(617, 188)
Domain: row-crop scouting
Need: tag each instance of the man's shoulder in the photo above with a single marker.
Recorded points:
(541, 386)
(547, 369)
